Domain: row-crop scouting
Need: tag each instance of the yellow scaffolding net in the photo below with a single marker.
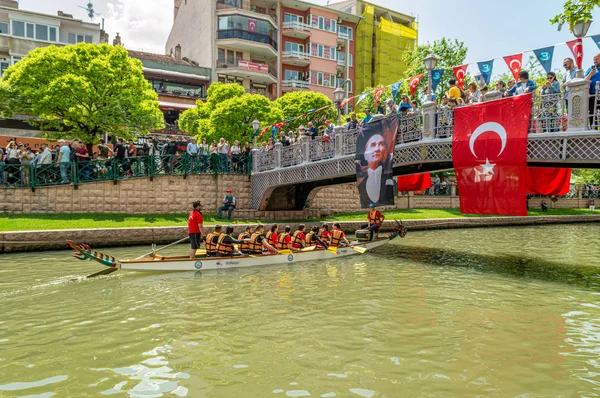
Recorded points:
(364, 50)
(392, 41)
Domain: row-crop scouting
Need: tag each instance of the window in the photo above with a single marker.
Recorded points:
(320, 78)
(72, 39)
(289, 46)
(4, 28)
(320, 50)
(29, 31)
(15, 59)
(230, 57)
(292, 18)
(3, 66)
(52, 34)
(321, 23)
(18, 28)
(221, 55)
(345, 30)
(349, 59)
(41, 32)
(332, 54)
(293, 75)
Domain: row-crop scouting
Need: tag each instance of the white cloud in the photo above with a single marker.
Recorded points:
(142, 24)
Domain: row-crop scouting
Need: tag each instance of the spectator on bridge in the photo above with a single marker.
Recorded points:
(404, 105)
(444, 102)
(105, 152)
(367, 117)
(375, 220)
(169, 151)
(63, 160)
(501, 86)
(223, 148)
(390, 107)
(192, 148)
(353, 124)
(301, 131)
(484, 91)
(270, 144)
(511, 83)
(415, 106)
(549, 115)
(291, 138)
(263, 148)
(284, 139)
(329, 129)
(247, 150)
(474, 93)
(570, 73)
(524, 86)
(203, 148)
(312, 131)
(593, 75)
(45, 156)
(236, 159)
(229, 203)
(379, 108)
(454, 91)
(82, 155)
(453, 104)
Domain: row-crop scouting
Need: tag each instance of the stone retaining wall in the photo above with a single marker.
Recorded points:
(11, 242)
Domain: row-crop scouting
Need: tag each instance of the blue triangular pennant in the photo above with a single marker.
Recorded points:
(436, 76)
(486, 68)
(544, 55)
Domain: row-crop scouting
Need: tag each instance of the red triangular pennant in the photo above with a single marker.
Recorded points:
(378, 93)
(414, 82)
(576, 48)
(459, 73)
(515, 64)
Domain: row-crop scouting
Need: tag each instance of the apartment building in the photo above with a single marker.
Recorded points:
(382, 38)
(268, 46)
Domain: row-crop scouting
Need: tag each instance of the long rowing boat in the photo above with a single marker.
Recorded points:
(157, 263)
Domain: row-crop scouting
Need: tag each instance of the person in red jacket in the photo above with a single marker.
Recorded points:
(375, 219)
(195, 227)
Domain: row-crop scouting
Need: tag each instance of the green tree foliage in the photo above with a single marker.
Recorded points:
(574, 11)
(587, 176)
(228, 112)
(298, 102)
(450, 53)
(82, 91)
(369, 101)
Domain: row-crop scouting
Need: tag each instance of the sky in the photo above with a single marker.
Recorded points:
(489, 29)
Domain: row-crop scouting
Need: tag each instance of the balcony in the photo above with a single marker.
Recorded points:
(259, 44)
(258, 73)
(295, 85)
(296, 29)
(297, 58)
(246, 5)
(341, 64)
(343, 37)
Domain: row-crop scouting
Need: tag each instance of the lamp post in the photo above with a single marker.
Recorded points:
(580, 30)
(255, 126)
(338, 95)
(430, 62)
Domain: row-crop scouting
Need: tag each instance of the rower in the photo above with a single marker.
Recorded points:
(375, 221)
(312, 238)
(225, 244)
(245, 237)
(324, 234)
(284, 241)
(338, 237)
(211, 242)
(298, 238)
(258, 241)
(272, 235)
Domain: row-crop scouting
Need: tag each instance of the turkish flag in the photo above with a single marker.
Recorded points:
(459, 73)
(548, 181)
(515, 63)
(489, 152)
(576, 47)
(252, 25)
(414, 82)
(414, 182)
(378, 93)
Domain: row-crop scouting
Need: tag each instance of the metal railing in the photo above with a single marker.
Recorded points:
(291, 155)
(97, 170)
(343, 36)
(321, 148)
(295, 25)
(444, 125)
(594, 118)
(296, 54)
(246, 35)
(266, 161)
(409, 128)
(295, 84)
(548, 114)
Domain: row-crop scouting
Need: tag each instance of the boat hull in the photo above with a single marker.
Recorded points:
(169, 265)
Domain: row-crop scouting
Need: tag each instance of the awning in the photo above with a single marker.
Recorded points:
(174, 105)
(167, 73)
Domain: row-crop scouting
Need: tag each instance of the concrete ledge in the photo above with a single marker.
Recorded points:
(24, 241)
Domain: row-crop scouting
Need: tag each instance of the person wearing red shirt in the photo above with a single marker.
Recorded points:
(298, 239)
(195, 227)
(325, 235)
(272, 236)
(375, 221)
(284, 240)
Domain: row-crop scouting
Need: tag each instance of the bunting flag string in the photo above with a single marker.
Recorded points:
(596, 39)
(515, 64)
(414, 82)
(459, 73)
(378, 93)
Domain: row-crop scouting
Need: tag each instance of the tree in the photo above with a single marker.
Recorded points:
(450, 53)
(369, 101)
(574, 11)
(82, 91)
(298, 102)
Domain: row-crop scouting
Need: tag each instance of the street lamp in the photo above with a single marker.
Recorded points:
(580, 29)
(338, 95)
(255, 126)
(430, 63)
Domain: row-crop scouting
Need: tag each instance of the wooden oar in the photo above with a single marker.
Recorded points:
(157, 250)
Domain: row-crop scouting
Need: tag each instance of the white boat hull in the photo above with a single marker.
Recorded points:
(158, 264)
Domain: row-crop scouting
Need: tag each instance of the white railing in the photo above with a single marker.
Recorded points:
(320, 149)
(291, 155)
(295, 84)
(265, 161)
(343, 36)
(296, 26)
(341, 62)
(296, 54)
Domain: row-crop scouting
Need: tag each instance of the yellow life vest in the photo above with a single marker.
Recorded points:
(281, 245)
(271, 241)
(296, 240)
(224, 249)
(255, 247)
(211, 248)
(308, 239)
(336, 237)
(244, 247)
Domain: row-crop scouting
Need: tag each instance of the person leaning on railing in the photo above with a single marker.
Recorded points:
(550, 98)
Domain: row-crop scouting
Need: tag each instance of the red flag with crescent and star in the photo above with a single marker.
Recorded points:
(515, 63)
(414, 82)
(459, 73)
(378, 93)
(576, 47)
(489, 153)
(252, 25)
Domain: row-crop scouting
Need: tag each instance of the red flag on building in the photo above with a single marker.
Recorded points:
(414, 182)
(459, 73)
(378, 93)
(252, 25)
(576, 47)
(515, 64)
(548, 181)
(414, 82)
(489, 152)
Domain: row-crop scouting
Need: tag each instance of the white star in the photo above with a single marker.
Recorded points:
(488, 168)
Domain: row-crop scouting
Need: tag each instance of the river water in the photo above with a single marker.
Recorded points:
(510, 312)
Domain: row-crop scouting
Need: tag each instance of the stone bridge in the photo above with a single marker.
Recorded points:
(288, 177)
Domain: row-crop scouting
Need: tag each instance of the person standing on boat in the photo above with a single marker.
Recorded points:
(245, 238)
(195, 227)
(211, 242)
(375, 221)
(338, 237)
(284, 240)
(225, 244)
(272, 236)
(258, 241)
(229, 203)
(298, 239)
(312, 238)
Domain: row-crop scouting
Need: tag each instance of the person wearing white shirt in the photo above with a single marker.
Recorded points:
(192, 148)
(223, 149)
(235, 155)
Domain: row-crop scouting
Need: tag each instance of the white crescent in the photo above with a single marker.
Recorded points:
(460, 73)
(576, 46)
(414, 82)
(518, 63)
(484, 128)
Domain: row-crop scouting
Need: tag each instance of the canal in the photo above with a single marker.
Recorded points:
(492, 312)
